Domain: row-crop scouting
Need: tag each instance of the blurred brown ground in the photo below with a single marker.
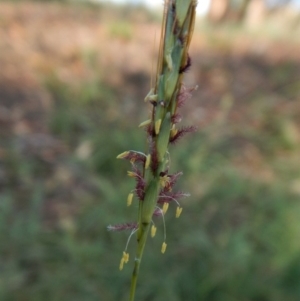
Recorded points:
(39, 41)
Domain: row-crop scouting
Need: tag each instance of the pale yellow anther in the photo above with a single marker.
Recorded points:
(123, 155)
(144, 123)
(153, 231)
(131, 174)
(178, 211)
(129, 199)
(122, 263)
(125, 257)
(163, 247)
(148, 160)
(169, 61)
(173, 132)
(165, 208)
(157, 126)
(151, 96)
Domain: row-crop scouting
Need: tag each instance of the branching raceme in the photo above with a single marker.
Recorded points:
(154, 183)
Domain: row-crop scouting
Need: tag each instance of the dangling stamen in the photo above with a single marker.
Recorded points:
(165, 208)
(178, 211)
(129, 199)
(153, 230)
(122, 263)
(126, 257)
(163, 247)
(128, 240)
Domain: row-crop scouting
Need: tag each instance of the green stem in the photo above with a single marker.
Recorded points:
(176, 34)
(139, 253)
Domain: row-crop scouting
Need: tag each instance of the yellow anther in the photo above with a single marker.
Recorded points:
(153, 231)
(169, 61)
(163, 247)
(165, 207)
(125, 257)
(131, 174)
(148, 160)
(129, 199)
(173, 132)
(122, 263)
(151, 96)
(123, 155)
(157, 126)
(178, 211)
(144, 123)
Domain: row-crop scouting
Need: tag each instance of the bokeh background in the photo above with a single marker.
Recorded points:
(73, 76)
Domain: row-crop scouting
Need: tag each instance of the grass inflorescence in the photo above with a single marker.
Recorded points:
(154, 183)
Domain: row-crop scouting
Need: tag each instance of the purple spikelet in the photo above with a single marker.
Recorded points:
(180, 133)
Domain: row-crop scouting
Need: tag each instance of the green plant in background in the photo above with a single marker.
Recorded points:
(154, 183)
(122, 30)
(241, 226)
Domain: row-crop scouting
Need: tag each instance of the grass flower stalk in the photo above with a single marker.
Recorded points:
(154, 183)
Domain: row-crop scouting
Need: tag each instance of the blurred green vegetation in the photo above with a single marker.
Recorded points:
(121, 30)
(237, 238)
